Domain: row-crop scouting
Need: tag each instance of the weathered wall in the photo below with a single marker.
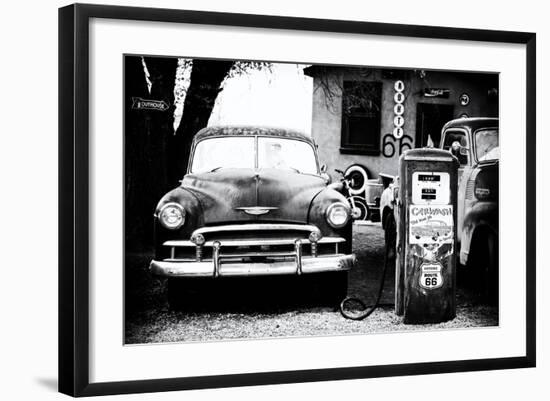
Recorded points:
(327, 115)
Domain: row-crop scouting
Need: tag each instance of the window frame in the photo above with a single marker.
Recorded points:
(347, 147)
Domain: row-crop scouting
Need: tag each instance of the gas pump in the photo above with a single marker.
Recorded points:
(425, 266)
(425, 282)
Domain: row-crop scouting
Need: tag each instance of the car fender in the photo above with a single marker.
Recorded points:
(480, 216)
(317, 214)
(193, 216)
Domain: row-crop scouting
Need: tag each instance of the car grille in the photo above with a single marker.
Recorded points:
(469, 195)
(253, 243)
(254, 234)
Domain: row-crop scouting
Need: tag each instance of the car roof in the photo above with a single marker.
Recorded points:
(472, 123)
(244, 130)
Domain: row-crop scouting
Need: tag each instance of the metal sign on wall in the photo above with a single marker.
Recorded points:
(397, 141)
(437, 92)
(398, 109)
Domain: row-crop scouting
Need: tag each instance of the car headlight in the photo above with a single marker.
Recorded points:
(172, 216)
(337, 215)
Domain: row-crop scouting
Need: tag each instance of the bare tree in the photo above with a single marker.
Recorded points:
(347, 88)
(206, 82)
(146, 134)
(156, 155)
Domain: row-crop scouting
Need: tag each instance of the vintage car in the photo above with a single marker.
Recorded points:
(254, 202)
(432, 228)
(474, 141)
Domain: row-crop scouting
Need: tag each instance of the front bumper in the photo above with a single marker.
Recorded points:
(305, 265)
(252, 250)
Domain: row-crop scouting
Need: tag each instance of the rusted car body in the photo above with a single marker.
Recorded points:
(254, 202)
(478, 182)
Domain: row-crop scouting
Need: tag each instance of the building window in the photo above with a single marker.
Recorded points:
(361, 105)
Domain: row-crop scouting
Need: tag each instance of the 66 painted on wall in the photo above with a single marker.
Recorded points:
(397, 137)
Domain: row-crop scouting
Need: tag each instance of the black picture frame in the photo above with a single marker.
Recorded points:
(74, 198)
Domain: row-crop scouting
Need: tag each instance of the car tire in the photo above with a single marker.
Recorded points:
(178, 294)
(359, 176)
(331, 288)
(361, 211)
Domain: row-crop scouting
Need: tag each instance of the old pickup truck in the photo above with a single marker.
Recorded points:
(474, 142)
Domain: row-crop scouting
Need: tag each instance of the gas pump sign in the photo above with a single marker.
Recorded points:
(430, 215)
(430, 188)
(431, 224)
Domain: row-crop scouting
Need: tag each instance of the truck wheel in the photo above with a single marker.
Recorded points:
(483, 267)
(491, 270)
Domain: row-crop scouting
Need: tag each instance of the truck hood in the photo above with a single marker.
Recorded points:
(236, 195)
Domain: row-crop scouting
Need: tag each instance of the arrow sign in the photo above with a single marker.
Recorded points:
(436, 92)
(148, 104)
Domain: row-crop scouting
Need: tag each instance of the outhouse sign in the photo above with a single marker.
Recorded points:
(148, 104)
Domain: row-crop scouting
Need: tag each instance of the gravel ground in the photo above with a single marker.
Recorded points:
(244, 308)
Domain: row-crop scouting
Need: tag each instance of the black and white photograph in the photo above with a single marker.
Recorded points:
(287, 199)
(251, 200)
(275, 200)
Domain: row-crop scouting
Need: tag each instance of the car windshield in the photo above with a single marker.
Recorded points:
(238, 152)
(487, 145)
(286, 154)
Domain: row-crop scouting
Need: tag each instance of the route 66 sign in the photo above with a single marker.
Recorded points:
(430, 276)
(399, 86)
(399, 97)
(398, 121)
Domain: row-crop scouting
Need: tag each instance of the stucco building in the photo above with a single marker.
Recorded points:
(370, 116)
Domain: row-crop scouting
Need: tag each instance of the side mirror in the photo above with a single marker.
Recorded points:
(327, 178)
(323, 169)
(458, 149)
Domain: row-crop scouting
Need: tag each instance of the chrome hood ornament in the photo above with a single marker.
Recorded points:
(257, 210)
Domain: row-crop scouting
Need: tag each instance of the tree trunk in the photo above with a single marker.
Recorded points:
(155, 158)
(135, 130)
(146, 135)
(206, 78)
(163, 78)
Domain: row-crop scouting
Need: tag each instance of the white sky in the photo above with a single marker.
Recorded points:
(281, 97)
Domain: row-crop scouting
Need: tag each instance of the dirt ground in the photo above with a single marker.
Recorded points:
(245, 308)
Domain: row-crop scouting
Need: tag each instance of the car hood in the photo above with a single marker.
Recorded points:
(232, 195)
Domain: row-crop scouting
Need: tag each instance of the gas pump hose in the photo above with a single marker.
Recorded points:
(367, 309)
